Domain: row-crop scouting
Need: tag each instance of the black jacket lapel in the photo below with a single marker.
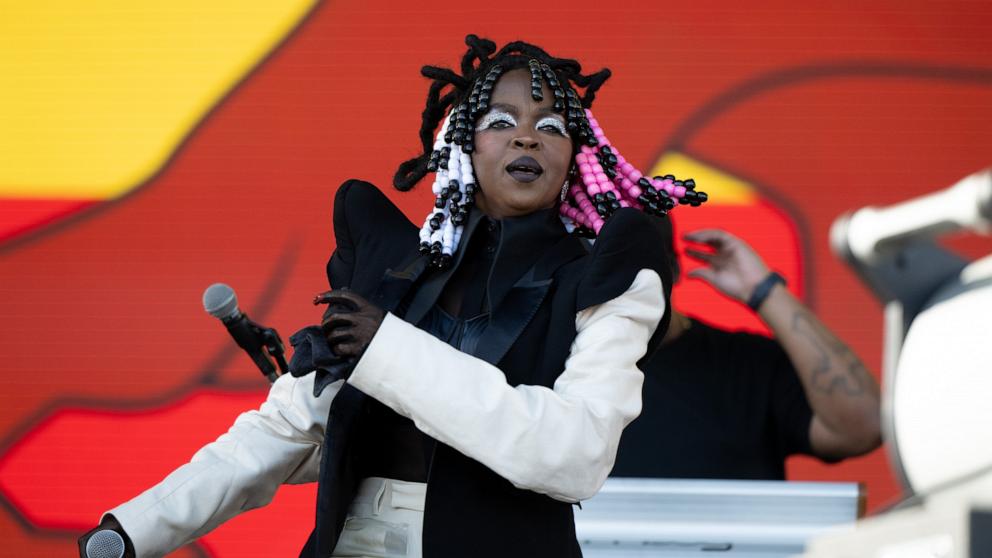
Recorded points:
(521, 302)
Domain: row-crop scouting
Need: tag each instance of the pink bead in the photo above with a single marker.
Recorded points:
(625, 168)
(620, 160)
(635, 175)
(624, 203)
(586, 149)
(602, 178)
(635, 191)
(679, 191)
(597, 168)
(585, 168)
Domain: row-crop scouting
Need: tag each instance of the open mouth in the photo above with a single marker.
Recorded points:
(524, 169)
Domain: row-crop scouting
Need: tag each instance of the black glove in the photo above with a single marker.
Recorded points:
(350, 321)
(106, 545)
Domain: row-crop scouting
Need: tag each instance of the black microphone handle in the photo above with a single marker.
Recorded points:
(249, 338)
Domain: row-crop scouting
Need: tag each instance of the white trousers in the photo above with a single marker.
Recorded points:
(385, 520)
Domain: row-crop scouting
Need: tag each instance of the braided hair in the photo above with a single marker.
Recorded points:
(603, 180)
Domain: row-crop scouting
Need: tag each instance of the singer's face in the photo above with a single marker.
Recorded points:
(522, 150)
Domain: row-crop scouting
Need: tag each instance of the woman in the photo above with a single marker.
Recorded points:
(471, 379)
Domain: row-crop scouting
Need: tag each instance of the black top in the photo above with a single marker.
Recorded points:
(717, 405)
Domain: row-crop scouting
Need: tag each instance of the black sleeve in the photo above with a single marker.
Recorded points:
(791, 413)
(629, 242)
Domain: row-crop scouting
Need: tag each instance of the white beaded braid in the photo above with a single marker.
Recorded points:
(454, 172)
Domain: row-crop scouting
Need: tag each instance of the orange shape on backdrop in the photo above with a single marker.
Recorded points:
(738, 207)
(57, 483)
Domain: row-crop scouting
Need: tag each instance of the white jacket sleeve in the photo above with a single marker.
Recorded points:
(562, 441)
(241, 470)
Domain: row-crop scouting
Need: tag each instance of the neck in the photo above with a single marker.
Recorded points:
(679, 324)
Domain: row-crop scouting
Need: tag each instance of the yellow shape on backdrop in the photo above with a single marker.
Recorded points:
(96, 95)
(722, 188)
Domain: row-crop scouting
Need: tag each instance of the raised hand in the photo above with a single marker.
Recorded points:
(732, 266)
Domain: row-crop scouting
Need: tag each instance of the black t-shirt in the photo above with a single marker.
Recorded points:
(718, 405)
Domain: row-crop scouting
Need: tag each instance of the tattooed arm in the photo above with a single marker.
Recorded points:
(844, 396)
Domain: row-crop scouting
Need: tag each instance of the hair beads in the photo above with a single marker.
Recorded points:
(604, 181)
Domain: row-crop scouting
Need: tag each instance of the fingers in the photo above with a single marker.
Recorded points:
(704, 273)
(699, 255)
(348, 348)
(345, 297)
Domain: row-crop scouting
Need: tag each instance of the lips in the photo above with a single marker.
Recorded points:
(524, 169)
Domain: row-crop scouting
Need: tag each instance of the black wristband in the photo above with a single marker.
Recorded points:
(763, 289)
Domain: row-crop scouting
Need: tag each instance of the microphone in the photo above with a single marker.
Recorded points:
(869, 232)
(105, 543)
(261, 343)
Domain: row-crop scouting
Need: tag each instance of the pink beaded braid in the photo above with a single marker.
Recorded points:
(605, 182)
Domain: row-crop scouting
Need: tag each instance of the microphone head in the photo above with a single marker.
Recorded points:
(105, 544)
(220, 301)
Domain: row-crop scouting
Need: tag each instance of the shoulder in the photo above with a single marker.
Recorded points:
(361, 209)
(628, 243)
(743, 347)
(370, 235)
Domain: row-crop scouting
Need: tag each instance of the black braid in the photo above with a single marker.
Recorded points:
(470, 99)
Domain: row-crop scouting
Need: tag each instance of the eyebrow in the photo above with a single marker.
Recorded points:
(516, 112)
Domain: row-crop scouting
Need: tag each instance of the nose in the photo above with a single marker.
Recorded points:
(526, 142)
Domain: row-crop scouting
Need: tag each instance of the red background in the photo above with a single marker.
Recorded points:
(114, 374)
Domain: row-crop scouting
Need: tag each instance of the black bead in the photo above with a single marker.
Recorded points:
(615, 205)
(458, 219)
(598, 198)
(601, 209)
(439, 203)
(469, 147)
(591, 141)
(611, 195)
(612, 160)
(644, 199)
(652, 192)
(643, 182)
(572, 126)
(610, 172)
(668, 177)
(702, 197)
(456, 196)
(689, 184)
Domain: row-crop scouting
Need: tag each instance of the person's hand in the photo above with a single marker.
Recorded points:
(732, 267)
(349, 322)
(109, 523)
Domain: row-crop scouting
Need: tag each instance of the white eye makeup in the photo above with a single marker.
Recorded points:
(494, 117)
(553, 122)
